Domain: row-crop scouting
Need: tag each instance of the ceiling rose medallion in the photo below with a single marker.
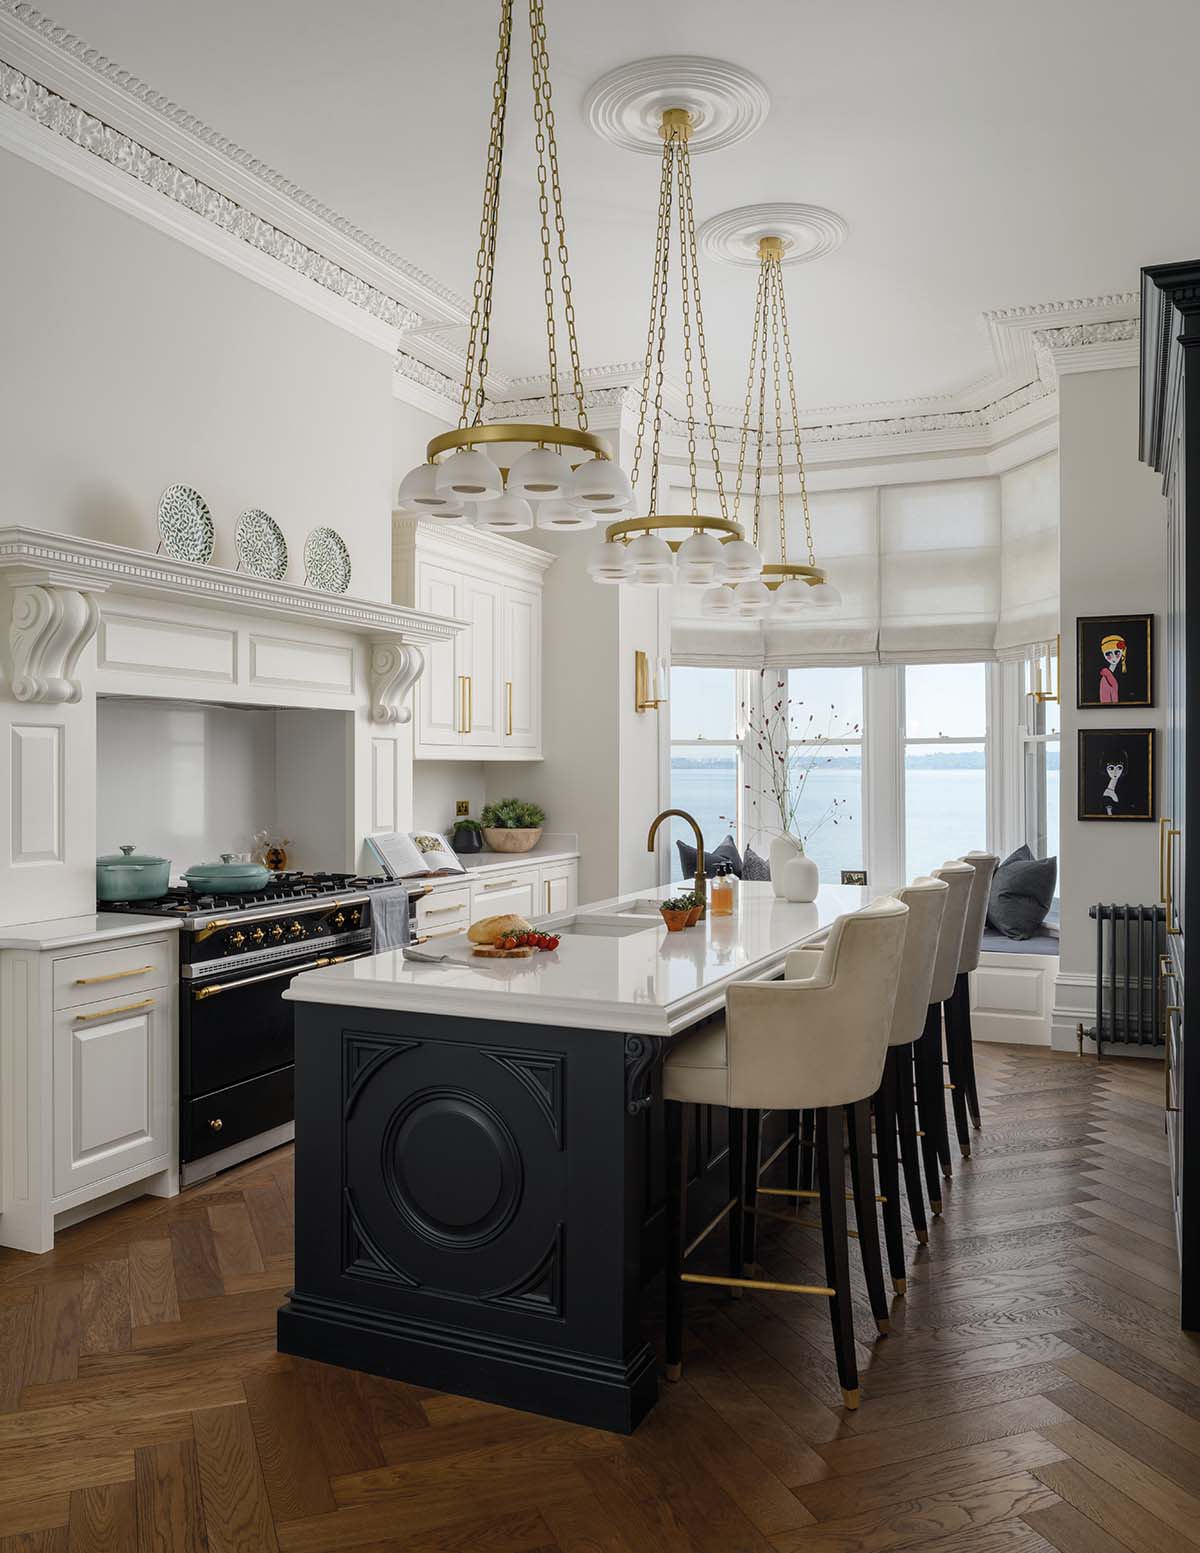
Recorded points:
(499, 474)
(724, 102)
(805, 231)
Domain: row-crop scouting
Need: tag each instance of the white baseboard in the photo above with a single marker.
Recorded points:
(1075, 1005)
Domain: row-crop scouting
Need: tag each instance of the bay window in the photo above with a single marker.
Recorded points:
(945, 762)
(1039, 764)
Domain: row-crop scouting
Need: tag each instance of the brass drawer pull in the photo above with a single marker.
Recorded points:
(508, 684)
(91, 981)
(440, 911)
(111, 1013)
(500, 884)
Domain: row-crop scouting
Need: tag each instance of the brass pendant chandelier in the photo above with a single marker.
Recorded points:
(460, 480)
(663, 548)
(787, 589)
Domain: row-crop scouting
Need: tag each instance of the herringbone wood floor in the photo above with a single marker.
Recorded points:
(1035, 1392)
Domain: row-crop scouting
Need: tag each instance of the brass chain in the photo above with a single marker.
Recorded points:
(686, 328)
(762, 421)
(693, 258)
(475, 373)
(537, 28)
(775, 272)
(661, 354)
(539, 141)
(745, 431)
(661, 236)
(791, 378)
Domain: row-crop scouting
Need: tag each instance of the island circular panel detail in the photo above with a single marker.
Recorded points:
(452, 1169)
(808, 232)
(727, 103)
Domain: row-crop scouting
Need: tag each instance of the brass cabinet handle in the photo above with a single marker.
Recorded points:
(547, 897)
(216, 1124)
(508, 693)
(91, 981)
(440, 911)
(499, 884)
(1164, 825)
(111, 1013)
(462, 703)
(1170, 1109)
(470, 706)
(1175, 932)
(286, 970)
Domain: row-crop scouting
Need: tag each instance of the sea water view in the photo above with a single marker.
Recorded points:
(945, 809)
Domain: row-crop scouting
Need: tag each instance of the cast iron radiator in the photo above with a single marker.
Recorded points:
(1129, 941)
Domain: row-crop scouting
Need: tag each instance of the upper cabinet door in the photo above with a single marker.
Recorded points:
(441, 696)
(482, 606)
(522, 688)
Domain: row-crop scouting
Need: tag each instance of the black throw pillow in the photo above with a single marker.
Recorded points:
(727, 852)
(1021, 894)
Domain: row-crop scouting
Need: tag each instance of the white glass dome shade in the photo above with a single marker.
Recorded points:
(740, 561)
(699, 559)
(751, 599)
(539, 475)
(506, 515)
(419, 493)
(470, 475)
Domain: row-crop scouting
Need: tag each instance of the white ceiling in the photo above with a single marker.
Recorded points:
(982, 156)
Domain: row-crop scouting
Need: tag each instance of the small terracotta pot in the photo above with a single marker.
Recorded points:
(694, 915)
(676, 920)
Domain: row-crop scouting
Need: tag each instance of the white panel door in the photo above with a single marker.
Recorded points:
(440, 689)
(111, 1108)
(522, 688)
(559, 887)
(515, 892)
(483, 658)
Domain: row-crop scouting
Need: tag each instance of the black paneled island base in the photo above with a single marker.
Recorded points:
(479, 1156)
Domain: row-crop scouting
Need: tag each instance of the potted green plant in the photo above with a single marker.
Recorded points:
(466, 836)
(512, 825)
(675, 913)
(695, 907)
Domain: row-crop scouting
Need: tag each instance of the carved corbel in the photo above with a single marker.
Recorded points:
(49, 627)
(395, 669)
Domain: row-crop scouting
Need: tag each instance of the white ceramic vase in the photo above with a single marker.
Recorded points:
(783, 848)
(801, 879)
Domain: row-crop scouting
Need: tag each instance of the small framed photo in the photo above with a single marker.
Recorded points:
(1116, 773)
(1114, 660)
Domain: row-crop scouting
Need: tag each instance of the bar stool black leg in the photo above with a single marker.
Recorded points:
(862, 1179)
(793, 1150)
(931, 1105)
(956, 1069)
(962, 997)
(889, 1172)
(677, 1153)
(737, 1191)
(831, 1176)
(753, 1161)
(906, 1121)
(808, 1149)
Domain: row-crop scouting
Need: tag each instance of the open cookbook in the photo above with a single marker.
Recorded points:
(414, 854)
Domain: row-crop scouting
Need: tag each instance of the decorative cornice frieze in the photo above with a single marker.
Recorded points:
(47, 40)
(22, 94)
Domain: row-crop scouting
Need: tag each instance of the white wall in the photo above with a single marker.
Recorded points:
(438, 783)
(1112, 539)
(131, 362)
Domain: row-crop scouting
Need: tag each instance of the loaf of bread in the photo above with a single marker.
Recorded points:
(489, 930)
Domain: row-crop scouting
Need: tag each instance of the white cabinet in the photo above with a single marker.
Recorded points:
(559, 886)
(515, 892)
(480, 697)
(88, 1081)
(111, 1103)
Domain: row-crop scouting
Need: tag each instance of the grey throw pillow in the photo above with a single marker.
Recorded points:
(1022, 891)
(727, 852)
(755, 867)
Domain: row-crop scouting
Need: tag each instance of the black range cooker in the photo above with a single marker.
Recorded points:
(237, 954)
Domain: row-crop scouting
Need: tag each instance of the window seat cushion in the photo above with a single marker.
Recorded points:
(1045, 942)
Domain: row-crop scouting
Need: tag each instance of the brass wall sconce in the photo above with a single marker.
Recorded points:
(1053, 674)
(649, 683)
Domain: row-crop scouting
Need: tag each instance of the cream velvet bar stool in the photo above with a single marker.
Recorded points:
(927, 1054)
(816, 1042)
(959, 1051)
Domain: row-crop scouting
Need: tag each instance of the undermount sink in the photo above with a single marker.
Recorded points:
(640, 909)
(619, 925)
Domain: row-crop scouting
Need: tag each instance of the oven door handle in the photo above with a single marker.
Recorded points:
(287, 970)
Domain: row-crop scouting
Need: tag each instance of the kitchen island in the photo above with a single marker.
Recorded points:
(478, 1150)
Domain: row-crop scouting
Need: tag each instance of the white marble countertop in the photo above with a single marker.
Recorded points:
(646, 981)
(67, 932)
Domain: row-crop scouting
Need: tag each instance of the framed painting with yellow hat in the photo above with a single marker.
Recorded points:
(1114, 660)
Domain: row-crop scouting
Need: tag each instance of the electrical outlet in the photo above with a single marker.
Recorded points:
(461, 808)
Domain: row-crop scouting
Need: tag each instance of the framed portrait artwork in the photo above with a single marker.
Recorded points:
(1116, 773)
(1114, 660)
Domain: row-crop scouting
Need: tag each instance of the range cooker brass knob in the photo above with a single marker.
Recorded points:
(297, 930)
(237, 939)
(354, 918)
(277, 932)
(216, 1124)
(258, 936)
(339, 920)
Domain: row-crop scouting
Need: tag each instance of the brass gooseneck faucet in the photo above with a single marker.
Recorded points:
(701, 885)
